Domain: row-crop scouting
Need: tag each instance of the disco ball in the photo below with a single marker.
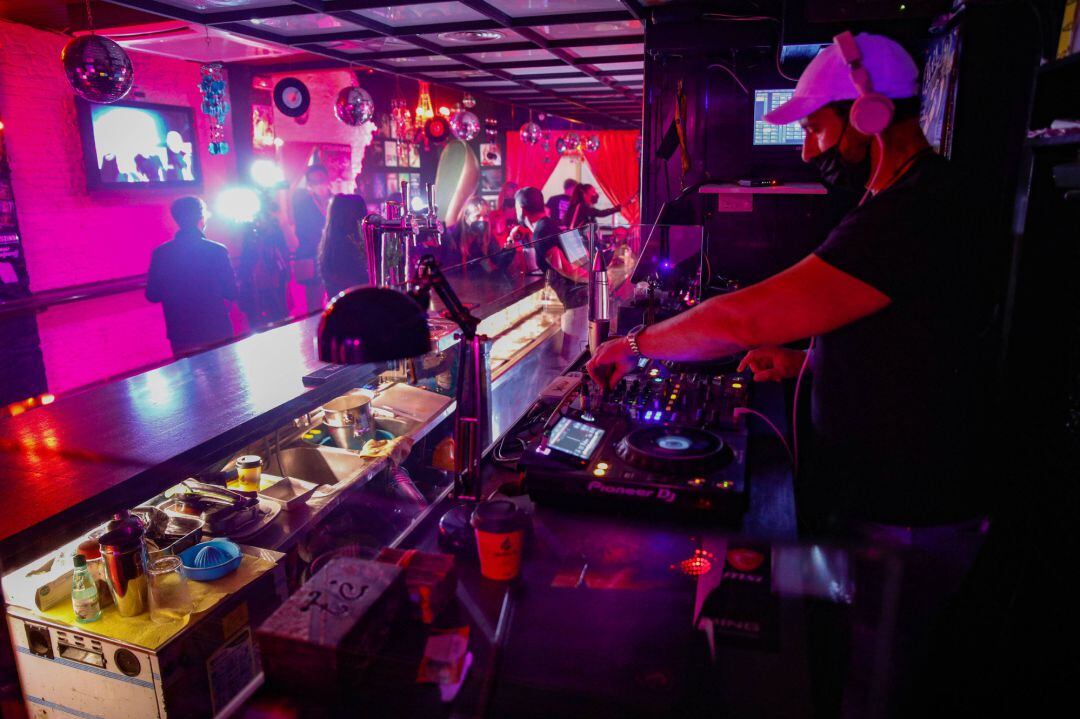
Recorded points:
(542, 116)
(98, 69)
(464, 125)
(491, 128)
(592, 143)
(468, 101)
(354, 106)
(572, 141)
(530, 133)
(560, 146)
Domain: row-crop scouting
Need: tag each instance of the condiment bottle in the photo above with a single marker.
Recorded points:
(249, 472)
(84, 593)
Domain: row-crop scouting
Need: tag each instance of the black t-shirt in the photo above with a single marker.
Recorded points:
(895, 394)
(557, 205)
(546, 236)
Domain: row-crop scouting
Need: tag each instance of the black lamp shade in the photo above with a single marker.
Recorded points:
(372, 324)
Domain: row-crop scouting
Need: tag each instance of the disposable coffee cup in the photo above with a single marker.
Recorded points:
(500, 534)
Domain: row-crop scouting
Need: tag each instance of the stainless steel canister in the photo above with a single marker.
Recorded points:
(349, 421)
(122, 552)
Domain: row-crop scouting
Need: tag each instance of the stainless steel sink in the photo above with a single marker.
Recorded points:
(320, 466)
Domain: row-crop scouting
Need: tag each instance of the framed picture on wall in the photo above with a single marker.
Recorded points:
(414, 155)
(491, 180)
(392, 187)
(390, 149)
(490, 155)
(403, 154)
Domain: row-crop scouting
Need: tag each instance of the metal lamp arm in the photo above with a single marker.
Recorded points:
(429, 277)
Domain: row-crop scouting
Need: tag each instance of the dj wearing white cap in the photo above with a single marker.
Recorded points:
(890, 300)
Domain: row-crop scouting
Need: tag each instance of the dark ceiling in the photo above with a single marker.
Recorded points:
(580, 59)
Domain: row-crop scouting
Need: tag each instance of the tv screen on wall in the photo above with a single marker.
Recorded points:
(133, 144)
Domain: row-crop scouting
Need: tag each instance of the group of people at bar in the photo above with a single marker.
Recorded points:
(195, 280)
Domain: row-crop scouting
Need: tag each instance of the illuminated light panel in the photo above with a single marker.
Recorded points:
(602, 465)
(599, 472)
(737, 385)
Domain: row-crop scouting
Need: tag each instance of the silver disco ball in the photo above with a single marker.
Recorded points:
(98, 69)
(465, 125)
(560, 146)
(592, 143)
(572, 141)
(354, 106)
(530, 133)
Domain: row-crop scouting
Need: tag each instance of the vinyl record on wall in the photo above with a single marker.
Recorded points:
(291, 97)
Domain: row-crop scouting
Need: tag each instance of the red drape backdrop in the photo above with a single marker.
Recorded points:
(615, 165)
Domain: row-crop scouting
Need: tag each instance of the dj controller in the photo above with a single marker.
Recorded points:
(664, 439)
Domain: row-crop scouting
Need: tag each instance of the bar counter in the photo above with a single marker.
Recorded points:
(72, 464)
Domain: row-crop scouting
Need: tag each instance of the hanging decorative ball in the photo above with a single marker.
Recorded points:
(465, 125)
(468, 101)
(214, 106)
(592, 143)
(491, 128)
(541, 116)
(572, 141)
(560, 146)
(354, 106)
(530, 133)
(98, 69)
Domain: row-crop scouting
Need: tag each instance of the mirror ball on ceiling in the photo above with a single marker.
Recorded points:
(98, 69)
(354, 106)
(465, 125)
(560, 146)
(592, 143)
(572, 141)
(530, 133)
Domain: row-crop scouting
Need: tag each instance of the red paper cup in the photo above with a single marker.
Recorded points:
(500, 535)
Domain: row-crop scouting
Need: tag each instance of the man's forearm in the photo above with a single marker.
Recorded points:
(706, 332)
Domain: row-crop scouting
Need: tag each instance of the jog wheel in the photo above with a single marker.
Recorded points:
(674, 450)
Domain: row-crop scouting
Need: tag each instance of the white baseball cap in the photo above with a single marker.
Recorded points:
(828, 78)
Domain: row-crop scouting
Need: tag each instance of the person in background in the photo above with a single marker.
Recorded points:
(342, 255)
(570, 282)
(361, 186)
(582, 209)
(193, 280)
(264, 270)
(557, 205)
(504, 216)
(309, 207)
(477, 247)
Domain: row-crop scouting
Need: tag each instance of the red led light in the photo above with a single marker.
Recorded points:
(697, 565)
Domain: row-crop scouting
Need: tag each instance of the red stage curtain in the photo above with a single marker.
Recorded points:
(529, 165)
(616, 167)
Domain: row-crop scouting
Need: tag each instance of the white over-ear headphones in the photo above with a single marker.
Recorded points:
(871, 112)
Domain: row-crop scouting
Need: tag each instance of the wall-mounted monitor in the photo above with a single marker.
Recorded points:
(133, 144)
(768, 135)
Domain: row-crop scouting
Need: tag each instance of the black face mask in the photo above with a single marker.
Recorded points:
(839, 173)
(479, 227)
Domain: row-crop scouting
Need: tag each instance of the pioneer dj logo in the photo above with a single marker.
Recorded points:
(663, 494)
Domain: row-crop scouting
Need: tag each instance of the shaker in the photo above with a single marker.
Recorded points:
(122, 552)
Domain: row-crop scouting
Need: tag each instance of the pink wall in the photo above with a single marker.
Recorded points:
(71, 235)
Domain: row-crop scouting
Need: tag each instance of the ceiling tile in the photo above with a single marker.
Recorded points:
(419, 63)
(544, 71)
(489, 83)
(313, 24)
(375, 44)
(422, 14)
(605, 50)
(472, 40)
(567, 80)
(615, 66)
(457, 74)
(530, 8)
(222, 5)
(512, 55)
(589, 29)
(627, 78)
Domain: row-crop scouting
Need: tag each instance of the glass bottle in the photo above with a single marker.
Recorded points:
(84, 593)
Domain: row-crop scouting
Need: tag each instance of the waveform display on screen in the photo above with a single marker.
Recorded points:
(766, 134)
